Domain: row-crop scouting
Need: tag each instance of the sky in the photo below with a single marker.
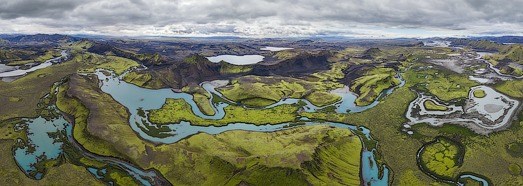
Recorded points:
(264, 18)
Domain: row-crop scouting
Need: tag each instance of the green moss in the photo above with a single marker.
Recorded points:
(257, 102)
(40, 59)
(445, 85)
(285, 157)
(138, 79)
(203, 103)
(121, 178)
(513, 88)
(322, 98)
(30, 88)
(515, 149)
(441, 158)
(286, 54)
(431, 105)
(227, 68)
(267, 90)
(15, 99)
(80, 114)
(117, 64)
(177, 110)
(336, 163)
(514, 169)
(372, 84)
(479, 93)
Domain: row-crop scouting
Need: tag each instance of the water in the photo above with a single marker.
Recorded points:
(5, 68)
(475, 178)
(370, 171)
(134, 97)
(495, 109)
(480, 80)
(20, 72)
(45, 146)
(275, 49)
(237, 60)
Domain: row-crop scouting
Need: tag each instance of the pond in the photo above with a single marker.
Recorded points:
(237, 60)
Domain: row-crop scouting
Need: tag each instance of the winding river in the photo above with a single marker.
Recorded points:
(135, 98)
(14, 72)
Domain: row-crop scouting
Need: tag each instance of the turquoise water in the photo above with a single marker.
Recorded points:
(134, 98)
(45, 146)
(478, 179)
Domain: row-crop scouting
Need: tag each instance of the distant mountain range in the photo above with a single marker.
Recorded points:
(59, 37)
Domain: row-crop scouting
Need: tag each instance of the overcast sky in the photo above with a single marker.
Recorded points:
(264, 18)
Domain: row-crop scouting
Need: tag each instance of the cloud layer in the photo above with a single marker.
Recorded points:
(264, 18)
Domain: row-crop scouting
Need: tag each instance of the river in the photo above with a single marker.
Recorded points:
(14, 72)
(135, 98)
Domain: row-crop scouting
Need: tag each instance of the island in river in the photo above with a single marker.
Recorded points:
(391, 112)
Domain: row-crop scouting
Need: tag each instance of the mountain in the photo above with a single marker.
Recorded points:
(40, 38)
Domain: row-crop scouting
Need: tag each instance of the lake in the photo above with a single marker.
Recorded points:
(237, 60)
(275, 49)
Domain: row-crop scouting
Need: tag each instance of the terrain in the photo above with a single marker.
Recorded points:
(122, 111)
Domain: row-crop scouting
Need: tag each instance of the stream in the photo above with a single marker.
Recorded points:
(135, 98)
(15, 72)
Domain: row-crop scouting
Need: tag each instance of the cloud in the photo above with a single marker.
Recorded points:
(263, 18)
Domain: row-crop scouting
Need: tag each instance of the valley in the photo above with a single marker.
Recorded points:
(261, 111)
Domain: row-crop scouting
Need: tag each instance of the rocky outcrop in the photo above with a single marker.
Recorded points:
(196, 69)
(145, 59)
(304, 63)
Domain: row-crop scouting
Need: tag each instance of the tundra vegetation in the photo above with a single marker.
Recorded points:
(299, 155)
(431, 105)
(375, 81)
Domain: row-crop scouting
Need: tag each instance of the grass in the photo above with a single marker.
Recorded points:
(203, 103)
(443, 84)
(508, 54)
(227, 68)
(29, 89)
(201, 98)
(137, 79)
(113, 63)
(95, 127)
(286, 54)
(288, 157)
(40, 59)
(513, 88)
(479, 93)
(177, 110)
(515, 149)
(431, 105)
(322, 98)
(273, 89)
(333, 164)
(441, 158)
(514, 169)
(372, 84)
(80, 114)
